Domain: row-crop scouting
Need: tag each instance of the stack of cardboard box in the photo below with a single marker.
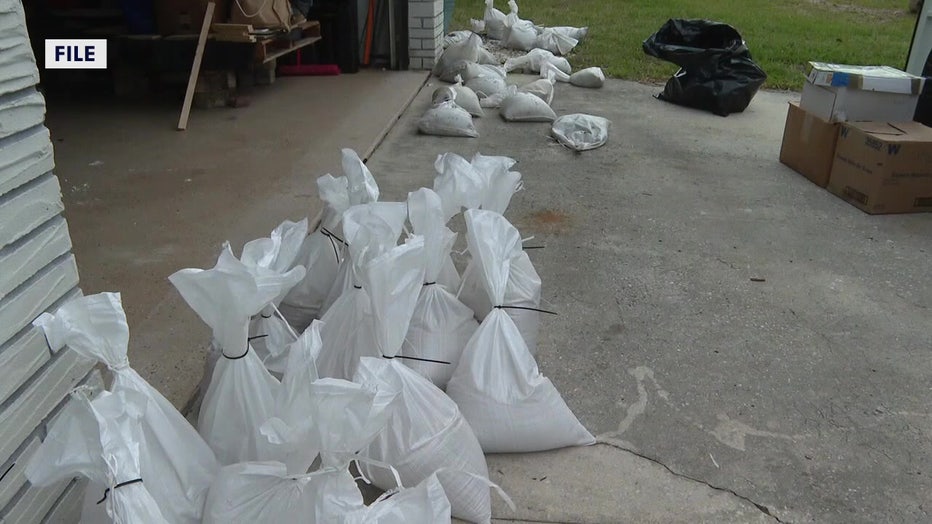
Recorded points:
(853, 133)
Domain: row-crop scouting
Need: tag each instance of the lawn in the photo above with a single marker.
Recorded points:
(782, 34)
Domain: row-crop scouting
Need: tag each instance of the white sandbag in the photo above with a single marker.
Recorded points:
(512, 408)
(466, 50)
(590, 77)
(373, 229)
(578, 33)
(494, 21)
(175, 460)
(581, 132)
(477, 26)
(372, 320)
(535, 59)
(486, 81)
(487, 58)
(440, 325)
(519, 34)
(555, 42)
(466, 97)
(425, 503)
(522, 292)
(443, 94)
(501, 182)
(542, 89)
(455, 37)
(101, 440)
(458, 184)
(551, 72)
(241, 391)
(525, 107)
(447, 119)
(427, 433)
(259, 492)
(270, 333)
(322, 251)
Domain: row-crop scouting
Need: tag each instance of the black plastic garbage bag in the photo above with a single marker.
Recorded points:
(716, 71)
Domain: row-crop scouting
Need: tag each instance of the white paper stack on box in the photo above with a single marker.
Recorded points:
(842, 93)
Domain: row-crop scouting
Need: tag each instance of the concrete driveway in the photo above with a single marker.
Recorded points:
(802, 395)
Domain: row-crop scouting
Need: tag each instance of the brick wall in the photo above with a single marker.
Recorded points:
(37, 273)
(425, 33)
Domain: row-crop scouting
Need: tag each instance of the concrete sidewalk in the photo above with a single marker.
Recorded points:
(800, 398)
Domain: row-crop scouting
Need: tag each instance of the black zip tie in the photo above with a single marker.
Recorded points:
(533, 247)
(336, 254)
(429, 283)
(250, 339)
(419, 359)
(357, 287)
(7, 471)
(330, 234)
(49, 345)
(120, 485)
(263, 316)
(527, 309)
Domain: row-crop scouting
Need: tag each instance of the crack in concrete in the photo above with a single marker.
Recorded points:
(762, 508)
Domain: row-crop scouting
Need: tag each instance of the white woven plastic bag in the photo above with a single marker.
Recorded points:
(494, 21)
(425, 503)
(466, 50)
(511, 407)
(353, 329)
(542, 89)
(522, 294)
(556, 42)
(466, 97)
(526, 107)
(535, 59)
(519, 34)
(175, 460)
(447, 119)
(441, 324)
(270, 332)
(260, 492)
(322, 251)
(581, 132)
(241, 391)
(592, 77)
(487, 81)
(102, 440)
(427, 433)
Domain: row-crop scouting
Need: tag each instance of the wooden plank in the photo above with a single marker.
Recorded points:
(28, 207)
(47, 390)
(195, 68)
(23, 258)
(231, 28)
(21, 307)
(13, 474)
(67, 509)
(24, 158)
(25, 354)
(298, 44)
(17, 65)
(33, 503)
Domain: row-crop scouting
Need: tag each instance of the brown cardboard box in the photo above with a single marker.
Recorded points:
(883, 167)
(808, 144)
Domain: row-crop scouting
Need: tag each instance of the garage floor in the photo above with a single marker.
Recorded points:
(144, 200)
(803, 397)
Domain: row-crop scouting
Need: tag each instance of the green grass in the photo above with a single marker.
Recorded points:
(783, 35)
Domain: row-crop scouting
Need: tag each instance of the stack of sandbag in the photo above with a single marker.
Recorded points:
(175, 461)
(323, 249)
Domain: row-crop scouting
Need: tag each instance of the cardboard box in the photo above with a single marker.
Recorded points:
(842, 93)
(884, 167)
(808, 144)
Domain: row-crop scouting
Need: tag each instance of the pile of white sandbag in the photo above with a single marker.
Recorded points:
(480, 80)
(401, 371)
